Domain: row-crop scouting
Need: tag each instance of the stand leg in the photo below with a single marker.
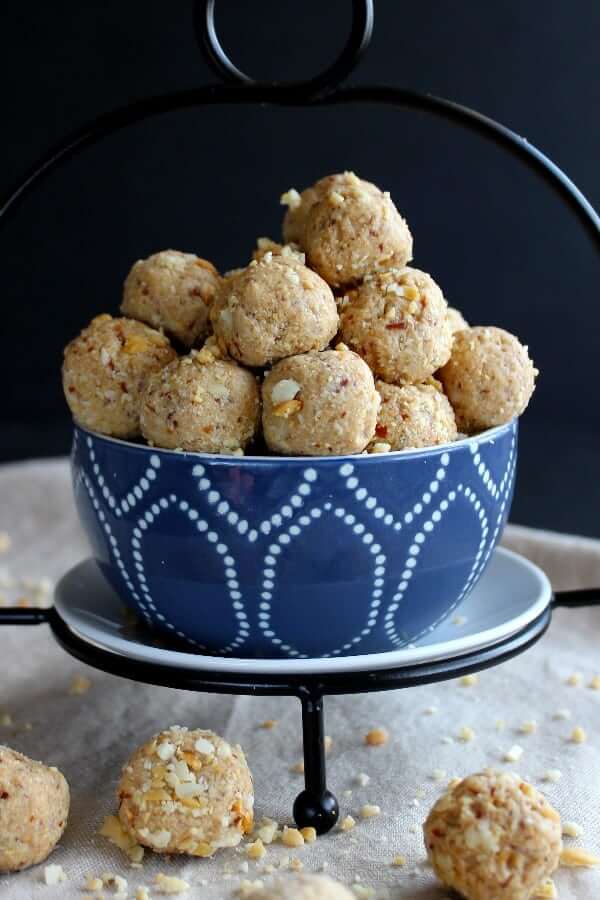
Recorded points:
(315, 806)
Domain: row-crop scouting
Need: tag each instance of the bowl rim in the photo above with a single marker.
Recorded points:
(489, 435)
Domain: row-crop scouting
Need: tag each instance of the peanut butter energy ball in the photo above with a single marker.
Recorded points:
(493, 837)
(416, 415)
(353, 229)
(488, 379)
(274, 308)
(186, 792)
(302, 887)
(105, 370)
(397, 321)
(172, 290)
(456, 319)
(34, 806)
(201, 403)
(319, 404)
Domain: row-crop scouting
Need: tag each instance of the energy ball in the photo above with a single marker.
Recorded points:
(201, 403)
(301, 887)
(105, 371)
(353, 229)
(172, 290)
(416, 415)
(456, 320)
(274, 308)
(493, 837)
(397, 321)
(186, 792)
(34, 806)
(319, 404)
(489, 378)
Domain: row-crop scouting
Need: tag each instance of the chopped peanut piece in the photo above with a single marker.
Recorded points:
(399, 860)
(546, 891)
(309, 834)
(595, 683)
(469, 680)
(573, 857)
(296, 864)
(268, 724)
(514, 754)
(376, 737)
(327, 743)
(466, 734)
(369, 810)
(256, 850)
(572, 829)
(529, 727)
(575, 679)
(347, 823)
(291, 837)
(79, 685)
(578, 735)
(298, 768)
(553, 775)
(287, 408)
(169, 884)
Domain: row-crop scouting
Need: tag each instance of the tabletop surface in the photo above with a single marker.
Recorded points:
(89, 736)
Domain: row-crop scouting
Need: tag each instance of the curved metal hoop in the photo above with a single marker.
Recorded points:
(226, 94)
(219, 62)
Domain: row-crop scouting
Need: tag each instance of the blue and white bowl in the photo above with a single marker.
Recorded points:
(294, 557)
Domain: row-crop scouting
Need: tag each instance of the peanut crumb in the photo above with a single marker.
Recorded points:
(369, 811)
(268, 724)
(376, 737)
(572, 829)
(595, 683)
(93, 884)
(438, 775)
(399, 860)
(514, 754)
(309, 834)
(469, 680)
(342, 348)
(169, 884)
(575, 679)
(546, 890)
(347, 823)
(287, 408)
(54, 874)
(5, 541)
(296, 864)
(573, 857)
(529, 727)
(327, 743)
(256, 850)
(362, 779)
(430, 710)
(298, 768)
(578, 735)
(142, 893)
(562, 714)
(466, 734)
(459, 620)
(79, 685)
(380, 447)
(291, 837)
(291, 199)
(552, 775)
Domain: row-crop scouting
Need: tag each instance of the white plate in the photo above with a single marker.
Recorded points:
(511, 594)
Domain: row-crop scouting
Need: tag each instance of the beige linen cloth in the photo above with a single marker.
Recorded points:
(89, 736)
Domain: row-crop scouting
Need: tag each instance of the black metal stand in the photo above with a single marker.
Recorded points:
(316, 805)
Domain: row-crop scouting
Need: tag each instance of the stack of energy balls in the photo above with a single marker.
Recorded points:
(327, 344)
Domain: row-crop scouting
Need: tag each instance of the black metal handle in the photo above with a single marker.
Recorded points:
(576, 599)
(216, 57)
(24, 615)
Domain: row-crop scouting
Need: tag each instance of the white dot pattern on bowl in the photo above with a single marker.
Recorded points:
(363, 515)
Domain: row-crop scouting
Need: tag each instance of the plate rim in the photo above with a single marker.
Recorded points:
(366, 662)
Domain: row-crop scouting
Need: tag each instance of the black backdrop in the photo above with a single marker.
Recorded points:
(208, 180)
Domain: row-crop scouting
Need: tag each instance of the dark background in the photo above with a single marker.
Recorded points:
(208, 180)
